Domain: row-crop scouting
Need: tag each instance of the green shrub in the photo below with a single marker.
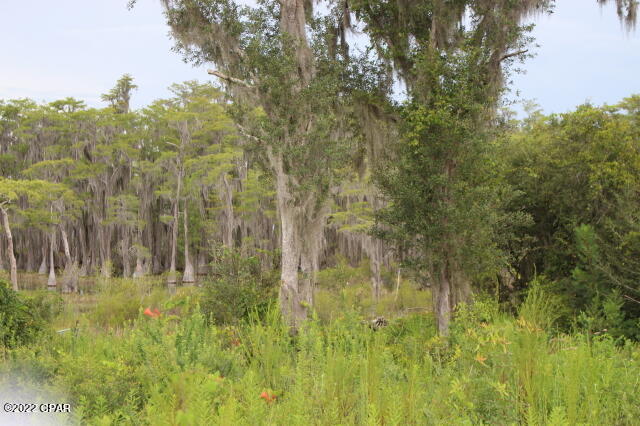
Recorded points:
(46, 304)
(19, 319)
(120, 300)
(343, 274)
(236, 288)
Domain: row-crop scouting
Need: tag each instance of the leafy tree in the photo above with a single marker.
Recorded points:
(577, 174)
(119, 96)
(194, 126)
(452, 56)
(294, 85)
(39, 194)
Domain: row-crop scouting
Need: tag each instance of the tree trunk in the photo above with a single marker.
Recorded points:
(1, 255)
(203, 266)
(139, 270)
(29, 243)
(395, 298)
(227, 199)
(105, 250)
(188, 276)
(375, 264)
(43, 265)
(51, 282)
(301, 230)
(292, 296)
(126, 265)
(171, 279)
(65, 245)
(12, 258)
(442, 300)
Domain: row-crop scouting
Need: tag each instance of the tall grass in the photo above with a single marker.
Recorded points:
(176, 369)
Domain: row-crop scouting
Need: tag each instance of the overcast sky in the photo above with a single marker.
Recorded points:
(53, 49)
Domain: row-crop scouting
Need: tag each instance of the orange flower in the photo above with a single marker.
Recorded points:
(151, 314)
(269, 398)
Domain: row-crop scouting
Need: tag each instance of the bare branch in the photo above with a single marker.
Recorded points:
(247, 135)
(630, 298)
(512, 54)
(229, 78)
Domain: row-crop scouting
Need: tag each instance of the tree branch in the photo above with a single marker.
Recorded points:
(229, 78)
(630, 298)
(247, 135)
(512, 54)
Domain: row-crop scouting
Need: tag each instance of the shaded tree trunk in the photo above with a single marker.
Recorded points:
(202, 265)
(227, 199)
(376, 254)
(12, 258)
(126, 265)
(31, 260)
(105, 250)
(171, 279)
(188, 276)
(43, 265)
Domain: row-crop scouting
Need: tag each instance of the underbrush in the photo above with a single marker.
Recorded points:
(177, 369)
(346, 288)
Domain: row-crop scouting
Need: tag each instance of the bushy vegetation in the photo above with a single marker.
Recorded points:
(20, 319)
(236, 288)
(176, 368)
(577, 176)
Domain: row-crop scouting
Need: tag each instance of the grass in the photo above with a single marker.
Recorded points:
(122, 367)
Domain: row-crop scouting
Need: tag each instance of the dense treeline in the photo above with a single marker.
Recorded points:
(577, 176)
(305, 153)
(96, 190)
(113, 191)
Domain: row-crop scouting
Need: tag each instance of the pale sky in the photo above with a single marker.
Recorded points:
(54, 49)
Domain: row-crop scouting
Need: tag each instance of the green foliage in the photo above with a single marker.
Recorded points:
(236, 288)
(122, 300)
(20, 319)
(577, 177)
(445, 199)
(177, 369)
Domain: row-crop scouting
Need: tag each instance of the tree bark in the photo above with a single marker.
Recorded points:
(442, 301)
(43, 265)
(188, 276)
(51, 282)
(292, 297)
(28, 244)
(139, 268)
(12, 258)
(203, 266)
(375, 264)
(299, 216)
(126, 265)
(171, 279)
(65, 245)
(301, 230)
(227, 199)
(105, 250)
